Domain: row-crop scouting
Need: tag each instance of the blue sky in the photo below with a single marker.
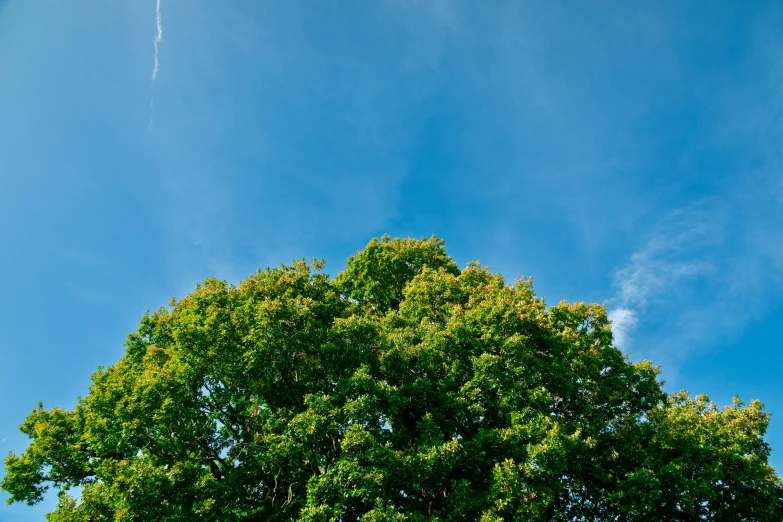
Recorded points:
(628, 153)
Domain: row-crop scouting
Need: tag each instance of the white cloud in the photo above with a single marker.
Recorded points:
(624, 321)
(706, 271)
(678, 253)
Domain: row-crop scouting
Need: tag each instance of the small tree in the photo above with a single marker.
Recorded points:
(403, 389)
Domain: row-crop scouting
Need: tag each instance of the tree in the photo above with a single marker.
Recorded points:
(402, 389)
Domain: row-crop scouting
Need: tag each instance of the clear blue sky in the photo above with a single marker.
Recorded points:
(629, 153)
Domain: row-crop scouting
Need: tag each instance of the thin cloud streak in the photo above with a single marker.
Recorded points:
(156, 64)
(157, 40)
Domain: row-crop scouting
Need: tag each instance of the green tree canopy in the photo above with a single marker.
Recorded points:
(402, 389)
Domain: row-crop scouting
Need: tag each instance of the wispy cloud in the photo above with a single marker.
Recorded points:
(156, 64)
(677, 253)
(703, 275)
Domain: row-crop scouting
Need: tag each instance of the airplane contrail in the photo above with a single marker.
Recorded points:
(156, 41)
(158, 38)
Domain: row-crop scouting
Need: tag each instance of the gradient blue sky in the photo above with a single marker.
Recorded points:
(629, 153)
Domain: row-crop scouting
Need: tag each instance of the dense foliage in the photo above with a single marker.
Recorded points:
(402, 389)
